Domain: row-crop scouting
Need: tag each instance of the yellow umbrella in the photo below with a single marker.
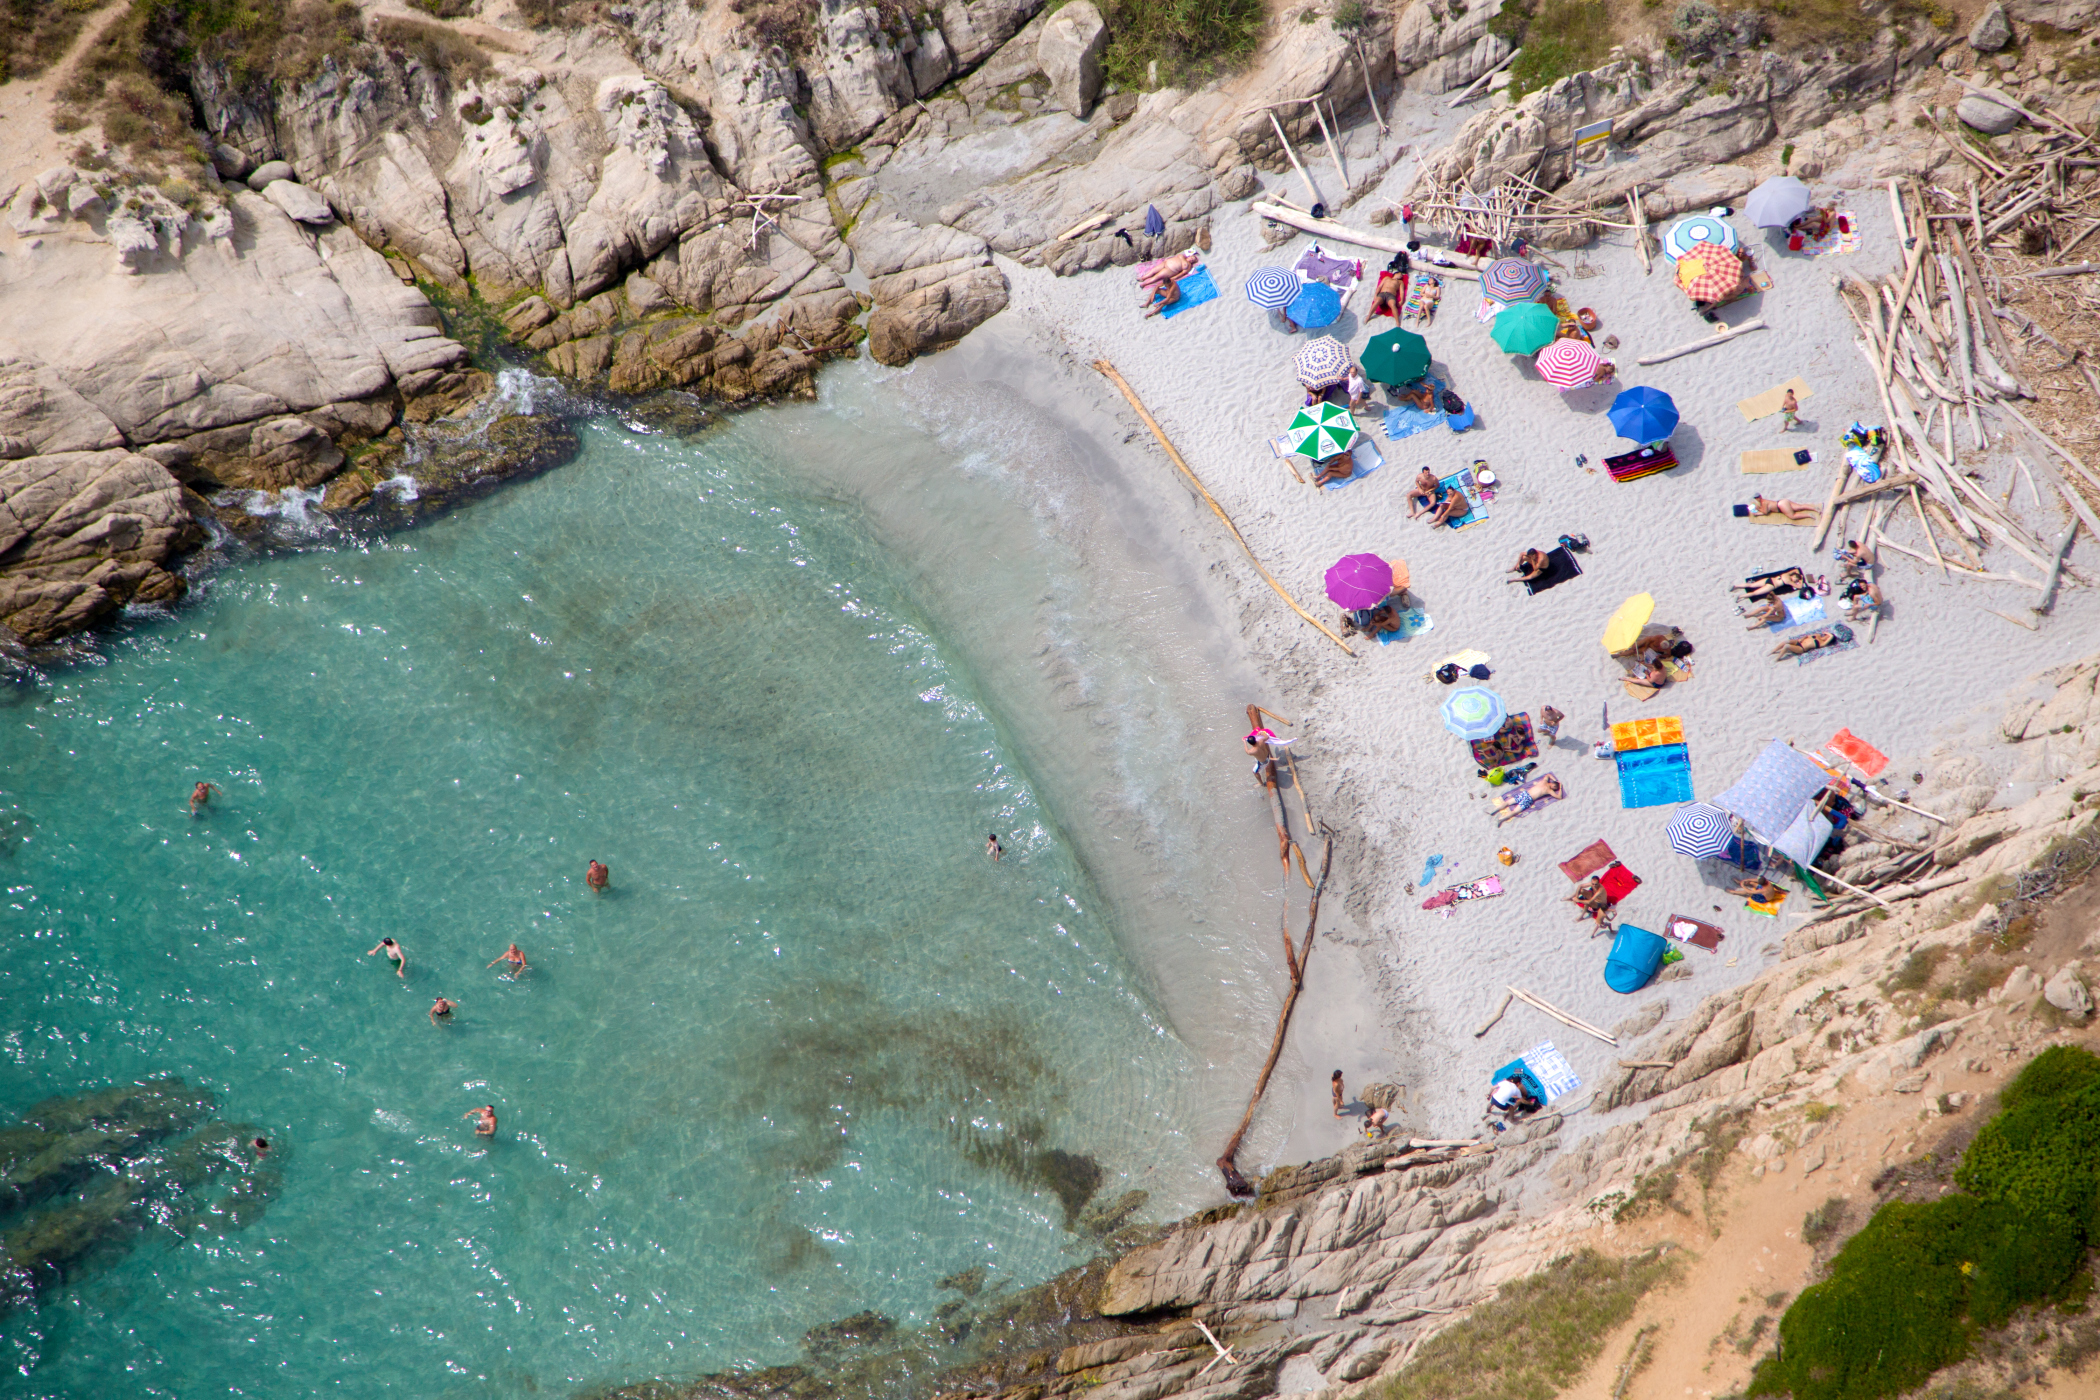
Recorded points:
(1625, 626)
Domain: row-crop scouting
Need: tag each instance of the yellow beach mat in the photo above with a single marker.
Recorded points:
(1766, 404)
(1777, 520)
(1773, 459)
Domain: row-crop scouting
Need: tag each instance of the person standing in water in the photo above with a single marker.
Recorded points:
(441, 1011)
(394, 954)
(485, 1119)
(1336, 1085)
(515, 956)
(200, 797)
(597, 877)
(992, 847)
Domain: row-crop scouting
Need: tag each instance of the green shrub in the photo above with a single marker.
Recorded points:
(2042, 1152)
(1823, 1222)
(1558, 37)
(1191, 40)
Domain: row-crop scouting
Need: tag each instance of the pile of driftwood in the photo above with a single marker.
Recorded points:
(1943, 367)
(1515, 207)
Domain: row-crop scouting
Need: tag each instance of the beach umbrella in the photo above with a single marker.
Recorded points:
(1321, 362)
(1474, 713)
(1625, 626)
(1568, 364)
(1360, 581)
(1701, 831)
(1525, 328)
(1700, 228)
(1773, 792)
(1272, 288)
(1644, 414)
(1707, 272)
(1778, 202)
(1395, 357)
(1316, 305)
(1510, 280)
(1321, 431)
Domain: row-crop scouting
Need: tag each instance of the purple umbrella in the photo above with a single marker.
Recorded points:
(1360, 581)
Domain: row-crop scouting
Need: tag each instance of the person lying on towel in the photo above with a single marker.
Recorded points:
(1758, 888)
(1772, 585)
(1835, 635)
(1340, 467)
(1510, 1098)
(1517, 801)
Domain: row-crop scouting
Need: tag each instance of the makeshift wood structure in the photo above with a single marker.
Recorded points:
(1515, 207)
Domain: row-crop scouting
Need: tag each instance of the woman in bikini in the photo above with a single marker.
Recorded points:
(1772, 585)
(1836, 635)
(1792, 510)
(1764, 614)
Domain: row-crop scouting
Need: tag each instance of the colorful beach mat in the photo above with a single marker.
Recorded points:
(1368, 459)
(1842, 238)
(1476, 509)
(1512, 743)
(1631, 734)
(1405, 420)
(1413, 623)
(1859, 753)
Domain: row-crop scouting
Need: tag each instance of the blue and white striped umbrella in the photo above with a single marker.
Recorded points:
(1701, 831)
(1510, 280)
(1700, 228)
(1272, 288)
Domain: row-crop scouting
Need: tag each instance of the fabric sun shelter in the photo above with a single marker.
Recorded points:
(1359, 581)
(1624, 628)
(1778, 202)
(1804, 837)
(1510, 280)
(1709, 273)
(1644, 414)
(1525, 329)
(1321, 431)
(1321, 363)
(1272, 288)
(1316, 305)
(1700, 228)
(1474, 713)
(1701, 831)
(1568, 364)
(1395, 357)
(1773, 791)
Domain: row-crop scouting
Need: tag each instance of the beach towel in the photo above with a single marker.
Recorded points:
(1766, 404)
(1511, 744)
(1588, 861)
(1858, 752)
(1507, 804)
(1316, 264)
(1413, 623)
(1631, 734)
(1843, 645)
(1618, 882)
(1460, 421)
(1799, 610)
(1448, 900)
(1644, 461)
(1770, 909)
(1405, 420)
(1368, 460)
(1424, 291)
(1550, 1071)
(1777, 459)
(1636, 956)
(1776, 520)
(1842, 238)
(1560, 567)
(1696, 932)
(1655, 777)
(1196, 288)
(1476, 510)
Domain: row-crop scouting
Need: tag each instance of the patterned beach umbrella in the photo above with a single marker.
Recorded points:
(1359, 581)
(1474, 713)
(1321, 362)
(1316, 305)
(1272, 288)
(1701, 831)
(1568, 364)
(1700, 228)
(1644, 414)
(1509, 280)
(1707, 272)
(1321, 431)
(1395, 357)
(1525, 329)
(1778, 202)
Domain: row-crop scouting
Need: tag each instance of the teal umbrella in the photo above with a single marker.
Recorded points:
(1321, 431)
(1396, 357)
(1525, 328)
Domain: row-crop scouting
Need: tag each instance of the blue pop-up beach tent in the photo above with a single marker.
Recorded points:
(1636, 956)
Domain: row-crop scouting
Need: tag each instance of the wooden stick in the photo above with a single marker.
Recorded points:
(1715, 339)
(1910, 277)
(2017, 622)
(2072, 271)
(1481, 81)
(1640, 228)
(1958, 304)
(1847, 885)
(2051, 443)
(1959, 569)
(1341, 171)
(1084, 226)
(1370, 88)
(1823, 520)
(2056, 568)
(1135, 402)
(1647, 1064)
(2083, 511)
(2032, 489)
(1926, 525)
(1224, 1352)
(1291, 151)
(1489, 1023)
(1563, 1017)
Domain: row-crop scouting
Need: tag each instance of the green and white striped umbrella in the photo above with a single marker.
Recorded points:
(1321, 431)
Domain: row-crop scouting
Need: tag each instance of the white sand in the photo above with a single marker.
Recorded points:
(1395, 784)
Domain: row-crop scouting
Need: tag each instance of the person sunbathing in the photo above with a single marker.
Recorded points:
(1660, 644)
(1339, 467)
(1531, 564)
(1817, 640)
(1164, 295)
(1772, 585)
(1171, 268)
(1792, 510)
(1417, 396)
(1449, 503)
(1517, 801)
(1385, 300)
(1758, 888)
(1425, 492)
(1764, 614)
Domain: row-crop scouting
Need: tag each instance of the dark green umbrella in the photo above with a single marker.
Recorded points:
(1396, 357)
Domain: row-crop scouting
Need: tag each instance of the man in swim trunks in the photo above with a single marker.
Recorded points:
(992, 847)
(515, 956)
(394, 954)
(597, 877)
(441, 1009)
(200, 796)
(1424, 493)
(1335, 1084)
(485, 1119)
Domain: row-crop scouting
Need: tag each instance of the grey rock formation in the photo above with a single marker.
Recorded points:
(299, 202)
(935, 315)
(82, 534)
(230, 162)
(1992, 30)
(1447, 45)
(1069, 53)
(1990, 118)
(262, 176)
(2066, 991)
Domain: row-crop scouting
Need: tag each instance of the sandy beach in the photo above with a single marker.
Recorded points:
(1403, 989)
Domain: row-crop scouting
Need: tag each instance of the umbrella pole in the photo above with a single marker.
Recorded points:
(1292, 152)
(1135, 402)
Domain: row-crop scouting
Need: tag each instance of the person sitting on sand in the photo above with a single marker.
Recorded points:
(1518, 800)
(1648, 673)
(1764, 614)
(1795, 511)
(1171, 268)
(1531, 564)
(1449, 503)
(1836, 635)
(1758, 889)
(1340, 467)
(1815, 224)
(1859, 598)
(1417, 395)
(1853, 560)
(1510, 1098)
(1424, 493)
(1373, 622)
(1164, 295)
(1661, 644)
(1549, 726)
(1772, 585)
(1374, 1123)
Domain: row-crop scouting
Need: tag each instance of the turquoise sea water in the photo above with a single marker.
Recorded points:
(806, 1057)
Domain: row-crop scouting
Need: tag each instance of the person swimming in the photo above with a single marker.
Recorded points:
(992, 847)
(394, 955)
(485, 1119)
(442, 1009)
(200, 796)
(515, 956)
(597, 877)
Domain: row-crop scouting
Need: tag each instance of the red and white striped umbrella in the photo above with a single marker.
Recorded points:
(1568, 364)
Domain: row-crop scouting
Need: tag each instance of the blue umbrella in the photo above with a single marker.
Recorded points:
(1272, 288)
(1644, 414)
(1701, 831)
(1316, 306)
(1474, 713)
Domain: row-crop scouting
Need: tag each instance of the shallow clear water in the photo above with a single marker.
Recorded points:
(802, 1059)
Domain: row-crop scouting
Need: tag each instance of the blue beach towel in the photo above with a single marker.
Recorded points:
(1413, 623)
(1406, 421)
(1154, 224)
(1368, 460)
(1798, 611)
(1476, 510)
(1524, 1074)
(1655, 777)
(1196, 288)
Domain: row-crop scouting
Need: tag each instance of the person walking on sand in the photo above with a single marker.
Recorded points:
(200, 797)
(597, 877)
(1549, 726)
(1336, 1085)
(515, 956)
(992, 847)
(394, 955)
(484, 1119)
(441, 1010)
(1790, 412)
